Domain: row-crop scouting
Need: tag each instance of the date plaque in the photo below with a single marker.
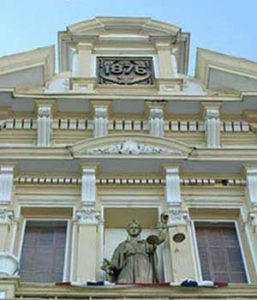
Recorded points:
(125, 70)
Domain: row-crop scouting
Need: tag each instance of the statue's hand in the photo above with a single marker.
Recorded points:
(164, 218)
(107, 267)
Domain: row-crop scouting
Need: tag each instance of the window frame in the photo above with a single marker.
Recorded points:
(196, 249)
(65, 273)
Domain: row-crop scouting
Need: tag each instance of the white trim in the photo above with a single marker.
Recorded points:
(196, 253)
(247, 234)
(66, 254)
(238, 238)
(242, 252)
(67, 240)
(73, 262)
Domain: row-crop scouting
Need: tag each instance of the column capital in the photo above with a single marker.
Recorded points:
(88, 216)
(161, 43)
(85, 46)
(89, 167)
(177, 217)
(7, 168)
(252, 220)
(6, 216)
(171, 168)
(250, 169)
(43, 106)
(210, 110)
(6, 182)
(44, 111)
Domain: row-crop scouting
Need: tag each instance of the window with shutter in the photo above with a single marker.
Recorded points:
(219, 252)
(43, 251)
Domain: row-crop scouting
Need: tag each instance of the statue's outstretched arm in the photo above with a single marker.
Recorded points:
(155, 240)
(164, 228)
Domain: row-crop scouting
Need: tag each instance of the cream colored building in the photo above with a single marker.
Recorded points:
(121, 132)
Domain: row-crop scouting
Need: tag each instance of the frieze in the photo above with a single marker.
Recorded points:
(130, 147)
(125, 70)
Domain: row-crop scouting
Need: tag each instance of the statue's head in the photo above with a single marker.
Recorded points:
(134, 228)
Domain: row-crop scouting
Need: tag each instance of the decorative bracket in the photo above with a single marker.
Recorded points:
(44, 126)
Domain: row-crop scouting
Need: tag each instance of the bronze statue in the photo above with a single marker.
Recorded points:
(135, 260)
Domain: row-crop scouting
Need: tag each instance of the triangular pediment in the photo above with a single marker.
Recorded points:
(130, 145)
(27, 70)
(225, 73)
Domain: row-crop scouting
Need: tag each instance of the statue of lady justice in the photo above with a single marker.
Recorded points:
(135, 260)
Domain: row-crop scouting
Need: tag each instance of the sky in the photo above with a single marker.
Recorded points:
(227, 26)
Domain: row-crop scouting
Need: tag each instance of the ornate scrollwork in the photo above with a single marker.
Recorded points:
(130, 147)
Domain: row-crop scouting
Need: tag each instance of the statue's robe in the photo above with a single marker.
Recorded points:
(135, 261)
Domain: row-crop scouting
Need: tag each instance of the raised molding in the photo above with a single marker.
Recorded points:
(88, 186)
(6, 183)
(88, 216)
(44, 125)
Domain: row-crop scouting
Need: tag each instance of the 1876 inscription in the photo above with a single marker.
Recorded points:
(125, 70)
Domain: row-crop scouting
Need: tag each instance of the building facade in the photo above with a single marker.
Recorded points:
(121, 132)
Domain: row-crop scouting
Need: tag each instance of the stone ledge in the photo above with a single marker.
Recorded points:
(241, 291)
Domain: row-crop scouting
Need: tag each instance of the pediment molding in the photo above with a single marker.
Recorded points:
(130, 145)
(43, 57)
(102, 25)
(210, 61)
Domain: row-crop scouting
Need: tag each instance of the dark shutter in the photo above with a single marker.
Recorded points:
(219, 252)
(43, 251)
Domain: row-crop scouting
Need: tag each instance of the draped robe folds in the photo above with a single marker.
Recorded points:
(135, 261)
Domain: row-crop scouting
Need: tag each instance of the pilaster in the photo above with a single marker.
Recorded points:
(211, 114)
(44, 125)
(84, 60)
(88, 219)
(6, 218)
(166, 62)
(6, 183)
(251, 188)
(180, 236)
